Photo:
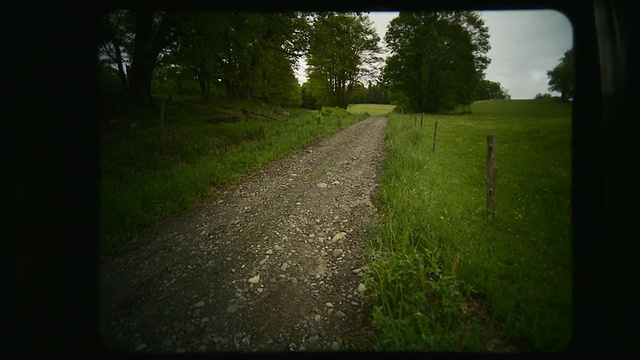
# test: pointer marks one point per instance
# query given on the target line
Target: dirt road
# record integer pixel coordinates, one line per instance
(274, 263)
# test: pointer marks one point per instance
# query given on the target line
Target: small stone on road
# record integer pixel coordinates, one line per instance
(339, 236)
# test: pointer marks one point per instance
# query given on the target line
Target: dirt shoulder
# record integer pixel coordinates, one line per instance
(274, 263)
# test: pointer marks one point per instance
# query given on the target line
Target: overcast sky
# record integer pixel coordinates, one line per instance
(525, 44)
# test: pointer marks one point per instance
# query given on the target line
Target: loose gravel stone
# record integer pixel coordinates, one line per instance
(339, 314)
(335, 346)
(202, 269)
(339, 236)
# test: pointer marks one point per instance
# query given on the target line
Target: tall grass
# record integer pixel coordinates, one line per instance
(149, 174)
(445, 275)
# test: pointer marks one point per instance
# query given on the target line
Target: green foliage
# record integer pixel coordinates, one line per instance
(417, 307)
(372, 94)
(309, 100)
(437, 59)
(545, 96)
(490, 90)
(562, 77)
(208, 50)
(240, 54)
(342, 50)
(115, 42)
(445, 276)
(542, 96)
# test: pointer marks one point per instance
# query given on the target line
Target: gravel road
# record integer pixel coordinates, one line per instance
(273, 263)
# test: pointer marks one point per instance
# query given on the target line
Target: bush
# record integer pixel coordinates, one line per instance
(333, 112)
(543, 96)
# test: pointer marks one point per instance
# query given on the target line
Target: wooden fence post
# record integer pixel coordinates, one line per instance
(492, 172)
(421, 119)
(435, 136)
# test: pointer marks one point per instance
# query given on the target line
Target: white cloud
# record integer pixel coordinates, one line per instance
(524, 46)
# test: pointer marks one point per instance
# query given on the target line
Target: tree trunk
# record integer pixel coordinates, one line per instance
(148, 44)
(143, 61)
(205, 87)
(140, 84)
(121, 73)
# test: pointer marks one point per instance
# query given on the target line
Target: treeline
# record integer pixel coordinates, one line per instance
(372, 94)
(239, 55)
(437, 60)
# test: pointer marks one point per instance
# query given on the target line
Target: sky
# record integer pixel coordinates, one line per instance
(525, 44)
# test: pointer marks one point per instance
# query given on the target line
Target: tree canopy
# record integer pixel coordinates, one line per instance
(562, 77)
(343, 50)
(490, 90)
(437, 59)
(242, 54)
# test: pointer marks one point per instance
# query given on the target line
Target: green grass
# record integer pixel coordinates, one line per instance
(371, 109)
(149, 174)
(445, 276)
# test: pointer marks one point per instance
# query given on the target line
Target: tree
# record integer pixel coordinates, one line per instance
(376, 94)
(258, 55)
(115, 38)
(540, 96)
(358, 94)
(197, 49)
(277, 49)
(309, 101)
(562, 77)
(343, 50)
(154, 31)
(437, 59)
(489, 90)
(247, 55)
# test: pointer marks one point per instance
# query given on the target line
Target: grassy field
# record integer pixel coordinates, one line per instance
(445, 276)
(149, 173)
(370, 109)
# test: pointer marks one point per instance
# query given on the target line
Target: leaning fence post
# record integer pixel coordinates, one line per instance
(435, 136)
(492, 172)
